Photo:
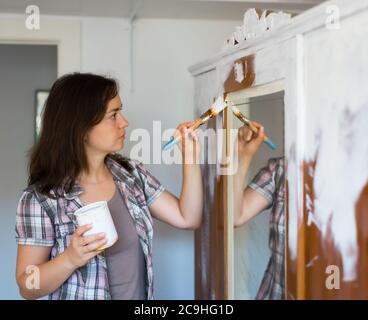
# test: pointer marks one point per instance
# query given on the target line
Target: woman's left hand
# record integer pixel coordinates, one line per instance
(249, 142)
(189, 144)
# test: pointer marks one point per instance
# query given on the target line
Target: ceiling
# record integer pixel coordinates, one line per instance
(171, 9)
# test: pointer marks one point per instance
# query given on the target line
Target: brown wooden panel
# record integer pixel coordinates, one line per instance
(321, 252)
(290, 265)
(210, 237)
(231, 85)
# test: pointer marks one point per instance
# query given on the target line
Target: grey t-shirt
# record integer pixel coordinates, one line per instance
(126, 267)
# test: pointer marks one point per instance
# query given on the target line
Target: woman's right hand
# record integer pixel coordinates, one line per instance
(189, 144)
(83, 248)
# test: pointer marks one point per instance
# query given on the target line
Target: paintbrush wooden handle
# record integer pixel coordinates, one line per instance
(255, 130)
(252, 127)
(176, 139)
(265, 139)
(196, 124)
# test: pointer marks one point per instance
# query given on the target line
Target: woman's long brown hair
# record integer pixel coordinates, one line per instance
(75, 104)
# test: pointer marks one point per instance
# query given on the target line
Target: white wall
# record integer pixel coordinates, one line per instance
(163, 50)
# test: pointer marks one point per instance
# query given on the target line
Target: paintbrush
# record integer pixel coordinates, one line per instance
(248, 123)
(215, 109)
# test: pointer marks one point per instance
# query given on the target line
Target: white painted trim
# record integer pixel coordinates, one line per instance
(230, 223)
(66, 34)
(308, 21)
(256, 91)
(300, 111)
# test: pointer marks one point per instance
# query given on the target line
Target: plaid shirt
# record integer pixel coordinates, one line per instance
(270, 183)
(43, 221)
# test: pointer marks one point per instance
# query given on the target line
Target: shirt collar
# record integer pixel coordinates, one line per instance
(119, 173)
(75, 191)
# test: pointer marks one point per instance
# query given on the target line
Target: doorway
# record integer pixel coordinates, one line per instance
(25, 70)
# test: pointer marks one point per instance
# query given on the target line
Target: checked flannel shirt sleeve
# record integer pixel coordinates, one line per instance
(33, 225)
(265, 182)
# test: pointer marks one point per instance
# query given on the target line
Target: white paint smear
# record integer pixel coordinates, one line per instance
(336, 136)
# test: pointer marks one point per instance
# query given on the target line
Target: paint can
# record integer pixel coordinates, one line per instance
(99, 215)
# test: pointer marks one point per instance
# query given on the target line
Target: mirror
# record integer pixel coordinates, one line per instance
(251, 251)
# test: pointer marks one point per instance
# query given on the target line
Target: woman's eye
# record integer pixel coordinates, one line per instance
(114, 116)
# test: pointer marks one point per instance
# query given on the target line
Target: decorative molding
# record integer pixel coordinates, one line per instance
(308, 21)
(255, 23)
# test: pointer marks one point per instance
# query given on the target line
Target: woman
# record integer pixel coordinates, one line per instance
(266, 190)
(75, 163)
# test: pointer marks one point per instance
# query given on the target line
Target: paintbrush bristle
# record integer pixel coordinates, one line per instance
(235, 109)
(219, 104)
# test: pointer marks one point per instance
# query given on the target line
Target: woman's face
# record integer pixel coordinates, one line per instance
(108, 135)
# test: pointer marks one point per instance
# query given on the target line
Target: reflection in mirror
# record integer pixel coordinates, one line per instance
(260, 221)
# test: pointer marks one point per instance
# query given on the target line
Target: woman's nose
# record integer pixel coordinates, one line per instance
(123, 122)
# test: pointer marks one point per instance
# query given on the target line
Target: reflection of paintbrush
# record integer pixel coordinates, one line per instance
(247, 122)
(215, 109)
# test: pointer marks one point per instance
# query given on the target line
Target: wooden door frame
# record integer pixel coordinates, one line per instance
(65, 33)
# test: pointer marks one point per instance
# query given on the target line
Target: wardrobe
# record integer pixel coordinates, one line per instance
(313, 67)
